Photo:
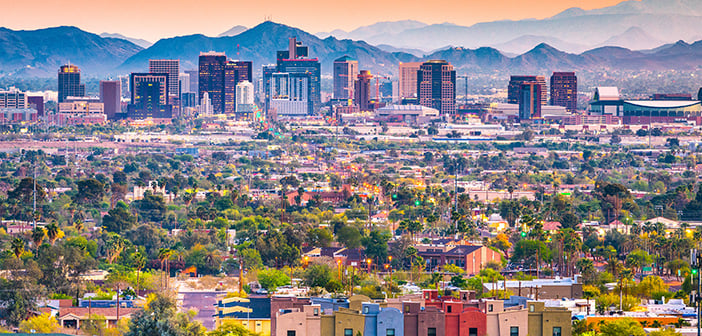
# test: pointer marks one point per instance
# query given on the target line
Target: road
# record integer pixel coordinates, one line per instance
(203, 302)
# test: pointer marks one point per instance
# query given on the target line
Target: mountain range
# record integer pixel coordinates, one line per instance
(39, 53)
(653, 21)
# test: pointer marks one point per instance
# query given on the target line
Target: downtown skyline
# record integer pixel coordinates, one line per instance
(134, 19)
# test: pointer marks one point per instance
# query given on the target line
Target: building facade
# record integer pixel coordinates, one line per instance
(13, 98)
(149, 96)
(564, 90)
(235, 72)
(289, 94)
(362, 90)
(211, 78)
(69, 83)
(110, 96)
(296, 62)
(530, 100)
(407, 85)
(436, 86)
(345, 68)
(515, 86)
(172, 69)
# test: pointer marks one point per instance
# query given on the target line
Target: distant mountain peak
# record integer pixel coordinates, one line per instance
(233, 31)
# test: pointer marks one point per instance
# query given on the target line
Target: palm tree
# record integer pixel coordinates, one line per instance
(139, 261)
(53, 232)
(79, 225)
(38, 235)
(17, 247)
(115, 245)
(163, 255)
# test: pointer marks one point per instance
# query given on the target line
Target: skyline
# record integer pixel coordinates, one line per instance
(135, 18)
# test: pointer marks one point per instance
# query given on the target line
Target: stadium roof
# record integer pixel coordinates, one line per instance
(663, 103)
(607, 93)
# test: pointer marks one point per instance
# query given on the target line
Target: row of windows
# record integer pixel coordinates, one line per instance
(663, 113)
(513, 331)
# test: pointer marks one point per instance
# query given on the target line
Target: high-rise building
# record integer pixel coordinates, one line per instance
(37, 103)
(515, 84)
(110, 93)
(564, 90)
(436, 86)
(172, 68)
(69, 83)
(194, 78)
(244, 100)
(235, 72)
(211, 78)
(289, 94)
(267, 72)
(13, 98)
(362, 90)
(184, 82)
(149, 97)
(407, 86)
(295, 61)
(345, 68)
(530, 100)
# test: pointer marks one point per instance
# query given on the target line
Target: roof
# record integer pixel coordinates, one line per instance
(607, 93)
(663, 103)
(107, 312)
(344, 58)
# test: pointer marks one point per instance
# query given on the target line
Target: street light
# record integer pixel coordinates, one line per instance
(369, 261)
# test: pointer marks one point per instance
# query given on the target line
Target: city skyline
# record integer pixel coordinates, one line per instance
(134, 19)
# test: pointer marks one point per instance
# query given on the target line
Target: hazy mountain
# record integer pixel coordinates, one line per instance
(140, 42)
(376, 29)
(633, 38)
(41, 52)
(525, 43)
(662, 20)
(259, 45)
(472, 59)
(546, 57)
(415, 52)
(233, 31)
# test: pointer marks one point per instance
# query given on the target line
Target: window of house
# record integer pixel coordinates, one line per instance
(406, 309)
(431, 332)
(513, 331)
(365, 310)
(291, 333)
(472, 331)
(315, 311)
(348, 332)
(390, 332)
(490, 308)
(531, 308)
(556, 331)
(448, 309)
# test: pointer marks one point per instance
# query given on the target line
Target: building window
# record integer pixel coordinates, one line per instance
(490, 308)
(390, 332)
(431, 332)
(472, 331)
(315, 311)
(291, 332)
(531, 308)
(348, 332)
(556, 331)
(448, 309)
(365, 310)
(513, 331)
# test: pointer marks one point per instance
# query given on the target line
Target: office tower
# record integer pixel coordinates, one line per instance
(235, 72)
(530, 96)
(244, 99)
(110, 93)
(124, 82)
(172, 68)
(295, 61)
(362, 90)
(37, 103)
(407, 86)
(13, 98)
(149, 97)
(205, 107)
(69, 83)
(345, 68)
(514, 88)
(267, 72)
(289, 94)
(564, 90)
(436, 86)
(184, 82)
(194, 78)
(211, 79)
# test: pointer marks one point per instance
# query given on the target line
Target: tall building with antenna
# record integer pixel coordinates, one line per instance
(69, 82)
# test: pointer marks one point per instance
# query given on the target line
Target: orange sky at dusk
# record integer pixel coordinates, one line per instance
(153, 19)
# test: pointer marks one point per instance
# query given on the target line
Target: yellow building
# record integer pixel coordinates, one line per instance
(252, 313)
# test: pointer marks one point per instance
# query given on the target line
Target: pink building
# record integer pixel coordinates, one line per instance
(298, 322)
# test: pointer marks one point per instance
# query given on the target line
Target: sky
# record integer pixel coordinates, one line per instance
(155, 19)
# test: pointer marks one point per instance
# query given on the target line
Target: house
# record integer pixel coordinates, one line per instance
(557, 288)
(471, 258)
(253, 313)
(548, 321)
(286, 304)
(429, 321)
(73, 317)
(382, 321)
(511, 321)
(305, 321)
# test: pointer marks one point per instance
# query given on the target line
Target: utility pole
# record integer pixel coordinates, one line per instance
(695, 297)
(34, 212)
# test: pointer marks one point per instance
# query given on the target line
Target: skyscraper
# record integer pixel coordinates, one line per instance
(110, 94)
(211, 79)
(149, 96)
(345, 69)
(69, 83)
(436, 86)
(407, 86)
(36, 102)
(515, 84)
(194, 77)
(170, 67)
(244, 100)
(235, 72)
(530, 96)
(564, 90)
(267, 72)
(289, 94)
(295, 61)
(362, 90)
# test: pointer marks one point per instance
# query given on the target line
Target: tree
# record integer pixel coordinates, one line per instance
(620, 327)
(319, 237)
(349, 236)
(231, 329)
(17, 247)
(90, 191)
(38, 235)
(615, 139)
(139, 262)
(376, 245)
(318, 275)
(151, 208)
(40, 324)
(272, 278)
(24, 192)
(159, 318)
(18, 299)
(118, 219)
(250, 258)
(53, 232)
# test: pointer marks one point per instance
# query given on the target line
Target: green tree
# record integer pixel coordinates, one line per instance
(349, 236)
(376, 246)
(40, 324)
(318, 275)
(272, 278)
(621, 327)
(231, 329)
(118, 219)
(90, 191)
